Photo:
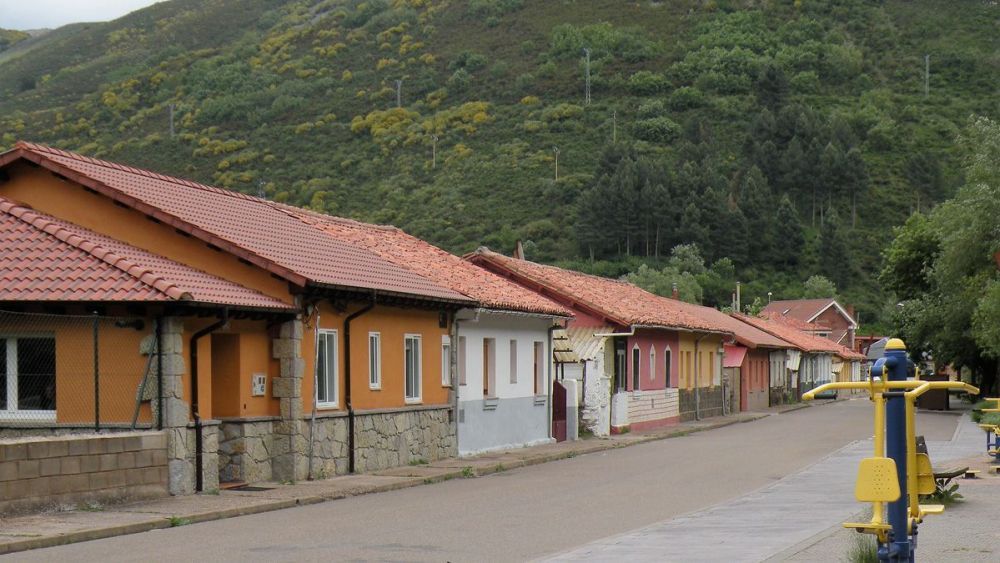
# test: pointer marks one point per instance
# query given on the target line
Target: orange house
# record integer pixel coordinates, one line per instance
(278, 348)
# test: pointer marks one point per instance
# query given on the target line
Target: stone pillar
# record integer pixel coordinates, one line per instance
(289, 462)
(176, 411)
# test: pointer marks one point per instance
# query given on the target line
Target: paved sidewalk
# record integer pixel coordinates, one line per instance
(792, 512)
(78, 524)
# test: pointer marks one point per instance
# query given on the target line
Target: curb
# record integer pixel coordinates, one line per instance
(160, 523)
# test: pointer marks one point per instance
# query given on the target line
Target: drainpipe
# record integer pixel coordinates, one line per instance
(312, 419)
(159, 372)
(551, 381)
(697, 377)
(193, 353)
(347, 380)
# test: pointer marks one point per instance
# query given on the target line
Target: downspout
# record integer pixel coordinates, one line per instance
(697, 377)
(312, 419)
(193, 353)
(347, 380)
(551, 381)
(159, 372)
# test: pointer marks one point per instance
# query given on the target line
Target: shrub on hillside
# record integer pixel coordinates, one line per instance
(656, 129)
(645, 83)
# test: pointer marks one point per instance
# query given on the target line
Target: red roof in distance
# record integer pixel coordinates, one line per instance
(617, 300)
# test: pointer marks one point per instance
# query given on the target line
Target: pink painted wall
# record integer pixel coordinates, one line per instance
(660, 339)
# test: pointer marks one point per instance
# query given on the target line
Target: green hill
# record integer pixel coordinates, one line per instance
(703, 114)
(11, 37)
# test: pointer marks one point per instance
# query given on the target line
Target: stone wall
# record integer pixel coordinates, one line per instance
(329, 449)
(246, 447)
(391, 439)
(40, 473)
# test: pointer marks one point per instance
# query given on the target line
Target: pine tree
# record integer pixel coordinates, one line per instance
(789, 241)
(757, 204)
(834, 254)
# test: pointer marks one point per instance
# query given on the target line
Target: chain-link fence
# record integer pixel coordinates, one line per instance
(65, 373)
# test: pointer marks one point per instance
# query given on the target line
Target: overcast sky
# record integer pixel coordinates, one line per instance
(35, 14)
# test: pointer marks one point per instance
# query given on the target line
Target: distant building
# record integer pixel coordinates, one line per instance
(829, 319)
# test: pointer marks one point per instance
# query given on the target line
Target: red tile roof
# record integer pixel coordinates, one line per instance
(616, 300)
(803, 341)
(46, 259)
(251, 228)
(426, 260)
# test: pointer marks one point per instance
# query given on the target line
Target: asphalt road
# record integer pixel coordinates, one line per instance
(519, 514)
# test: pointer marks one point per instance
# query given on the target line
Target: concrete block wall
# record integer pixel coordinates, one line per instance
(39, 473)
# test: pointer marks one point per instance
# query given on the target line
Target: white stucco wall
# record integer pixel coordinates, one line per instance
(514, 415)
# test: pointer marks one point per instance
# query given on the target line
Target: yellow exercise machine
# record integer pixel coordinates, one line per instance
(899, 478)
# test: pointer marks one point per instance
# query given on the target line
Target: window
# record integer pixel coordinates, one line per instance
(666, 364)
(28, 377)
(374, 360)
(489, 367)
(327, 368)
(461, 360)
(446, 361)
(635, 367)
(539, 368)
(412, 367)
(652, 363)
(513, 361)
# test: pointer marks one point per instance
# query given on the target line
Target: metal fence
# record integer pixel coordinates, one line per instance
(65, 373)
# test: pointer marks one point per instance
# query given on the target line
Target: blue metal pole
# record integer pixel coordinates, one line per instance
(895, 437)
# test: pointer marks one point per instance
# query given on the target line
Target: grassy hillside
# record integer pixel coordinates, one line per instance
(297, 100)
(11, 37)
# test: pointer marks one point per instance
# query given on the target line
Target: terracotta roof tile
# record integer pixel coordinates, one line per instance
(617, 300)
(802, 340)
(429, 261)
(46, 259)
(253, 226)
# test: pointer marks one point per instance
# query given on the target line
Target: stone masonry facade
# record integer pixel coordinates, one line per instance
(44, 473)
(289, 442)
(392, 439)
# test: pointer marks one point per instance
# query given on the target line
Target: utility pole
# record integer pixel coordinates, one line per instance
(927, 75)
(586, 91)
(614, 127)
(555, 150)
(434, 151)
(172, 106)
(261, 193)
(399, 93)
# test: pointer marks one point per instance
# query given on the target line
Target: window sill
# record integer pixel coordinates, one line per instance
(490, 403)
(375, 388)
(415, 401)
(28, 416)
(327, 407)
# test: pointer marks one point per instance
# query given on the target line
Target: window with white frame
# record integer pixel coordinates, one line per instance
(636, 355)
(446, 361)
(374, 360)
(539, 368)
(489, 367)
(412, 367)
(652, 363)
(666, 364)
(28, 377)
(327, 368)
(513, 361)
(461, 360)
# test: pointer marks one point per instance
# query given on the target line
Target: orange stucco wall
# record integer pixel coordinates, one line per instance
(69, 201)
(392, 323)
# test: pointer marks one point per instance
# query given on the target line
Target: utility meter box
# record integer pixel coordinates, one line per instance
(259, 384)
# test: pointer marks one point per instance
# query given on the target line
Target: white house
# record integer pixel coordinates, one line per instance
(504, 372)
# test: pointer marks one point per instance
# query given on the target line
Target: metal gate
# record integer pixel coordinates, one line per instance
(558, 411)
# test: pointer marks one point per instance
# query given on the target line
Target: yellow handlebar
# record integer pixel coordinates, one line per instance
(916, 387)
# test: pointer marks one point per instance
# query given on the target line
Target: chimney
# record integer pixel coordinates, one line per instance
(519, 250)
(674, 294)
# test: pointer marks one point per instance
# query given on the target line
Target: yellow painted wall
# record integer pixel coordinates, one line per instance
(392, 323)
(706, 359)
(66, 200)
